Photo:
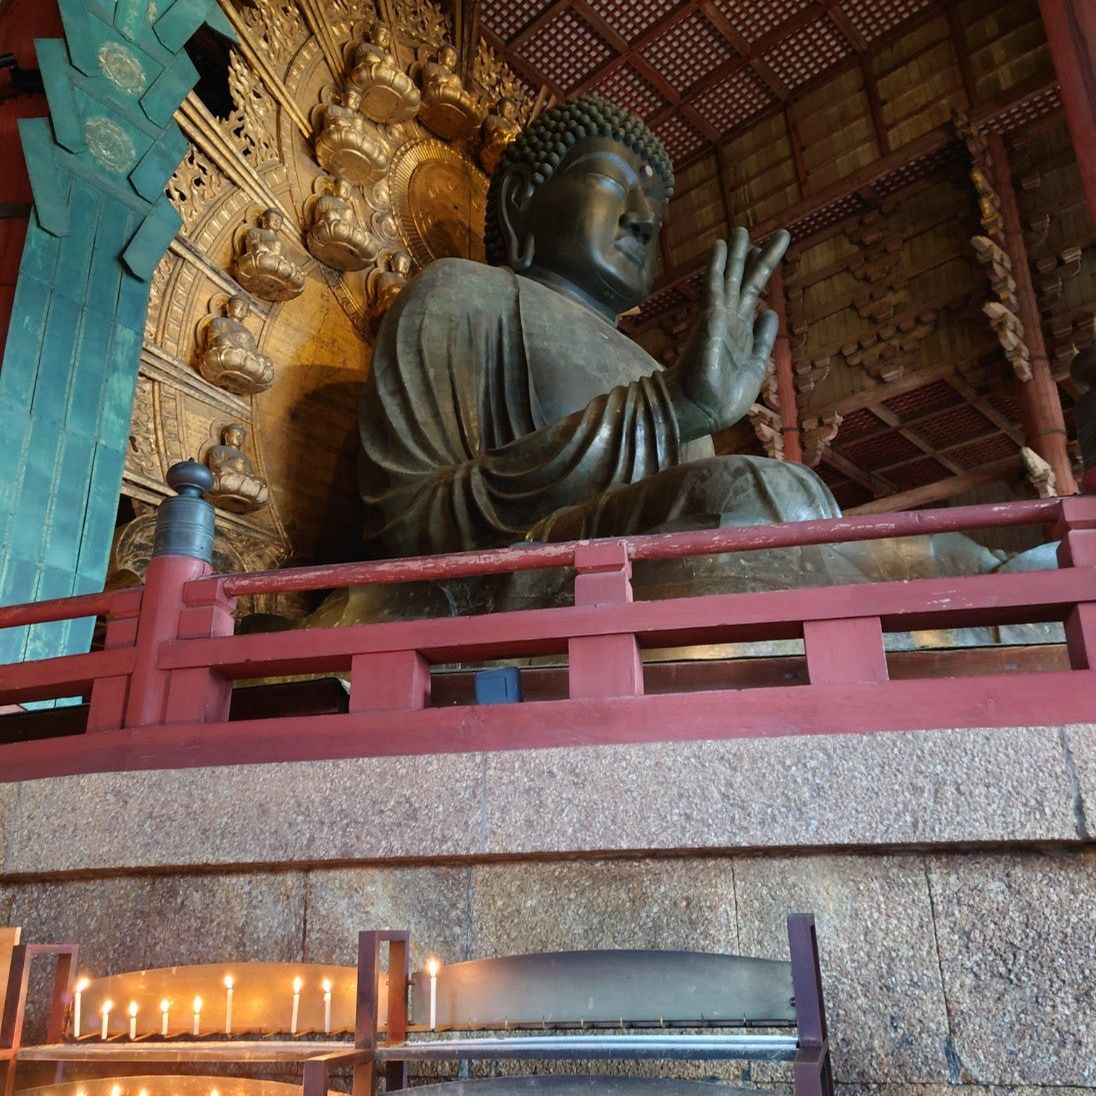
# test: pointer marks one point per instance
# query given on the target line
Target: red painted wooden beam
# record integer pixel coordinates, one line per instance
(1033, 699)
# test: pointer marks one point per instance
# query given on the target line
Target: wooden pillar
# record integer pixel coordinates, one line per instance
(1040, 404)
(1071, 36)
(785, 377)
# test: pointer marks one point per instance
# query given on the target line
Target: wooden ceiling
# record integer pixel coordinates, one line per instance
(697, 70)
(834, 118)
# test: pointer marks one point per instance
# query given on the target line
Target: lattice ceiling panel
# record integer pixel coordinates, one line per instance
(858, 424)
(752, 19)
(937, 396)
(879, 451)
(689, 51)
(506, 17)
(984, 452)
(872, 18)
(733, 101)
(917, 473)
(625, 87)
(567, 49)
(957, 424)
(630, 18)
(678, 137)
(808, 53)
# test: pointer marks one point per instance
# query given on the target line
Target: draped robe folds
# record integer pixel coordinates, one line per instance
(499, 410)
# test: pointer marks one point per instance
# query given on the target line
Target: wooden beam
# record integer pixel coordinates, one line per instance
(942, 489)
(869, 397)
(876, 484)
(896, 424)
(1040, 403)
(970, 394)
(785, 377)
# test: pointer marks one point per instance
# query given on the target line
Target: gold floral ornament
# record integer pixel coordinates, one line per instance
(499, 130)
(347, 144)
(389, 95)
(447, 108)
(236, 487)
(230, 356)
(335, 235)
(262, 267)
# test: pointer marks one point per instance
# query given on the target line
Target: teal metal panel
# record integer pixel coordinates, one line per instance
(104, 279)
(121, 379)
(219, 22)
(30, 314)
(175, 26)
(47, 183)
(151, 240)
(163, 98)
(54, 63)
(81, 37)
(60, 347)
(131, 17)
(161, 160)
(39, 259)
(86, 393)
(77, 248)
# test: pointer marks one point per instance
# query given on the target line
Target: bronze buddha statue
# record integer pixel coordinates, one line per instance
(389, 95)
(500, 128)
(347, 144)
(504, 405)
(448, 108)
(236, 486)
(262, 267)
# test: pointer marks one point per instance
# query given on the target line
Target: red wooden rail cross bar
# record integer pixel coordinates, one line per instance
(160, 689)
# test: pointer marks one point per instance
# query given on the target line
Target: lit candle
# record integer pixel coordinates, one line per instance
(297, 983)
(107, 1006)
(165, 1007)
(229, 983)
(327, 1006)
(80, 987)
(116, 1090)
(197, 1014)
(432, 969)
(133, 1019)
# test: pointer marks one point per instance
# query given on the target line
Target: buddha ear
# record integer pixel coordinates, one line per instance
(515, 194)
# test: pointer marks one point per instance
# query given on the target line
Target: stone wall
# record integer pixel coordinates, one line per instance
(952, 875)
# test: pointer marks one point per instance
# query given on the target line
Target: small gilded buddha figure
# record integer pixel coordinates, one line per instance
(387, 284)
(335, 236)
(348, 145)
(230, 357)
(263, 268)
(388, 94)
(499, 130)
(447, 108)
(236, 487)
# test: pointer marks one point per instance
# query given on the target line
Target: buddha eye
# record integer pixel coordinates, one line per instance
(601, 177)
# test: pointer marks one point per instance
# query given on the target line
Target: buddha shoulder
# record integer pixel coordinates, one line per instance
(460, 286)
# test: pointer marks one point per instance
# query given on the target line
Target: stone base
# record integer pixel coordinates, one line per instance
(952, 875)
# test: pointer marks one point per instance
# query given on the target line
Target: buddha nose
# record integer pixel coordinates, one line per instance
(640, 218)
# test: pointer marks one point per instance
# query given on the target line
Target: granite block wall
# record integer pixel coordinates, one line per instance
(952, 876)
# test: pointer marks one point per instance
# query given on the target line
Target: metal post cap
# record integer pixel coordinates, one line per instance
(185, 523)
(189, 478)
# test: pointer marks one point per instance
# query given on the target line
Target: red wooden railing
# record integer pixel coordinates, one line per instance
(159, 691)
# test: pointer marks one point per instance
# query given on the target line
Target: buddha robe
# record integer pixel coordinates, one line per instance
(498, 409)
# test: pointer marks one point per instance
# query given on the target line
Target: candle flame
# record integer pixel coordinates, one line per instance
(108, 1004)
(165, 1004)
(433, 966)
(82, 985)
(116, 1090)
(327, 985)
(229, 981)
(197, 1004)
(297, 983)
(133, 1008)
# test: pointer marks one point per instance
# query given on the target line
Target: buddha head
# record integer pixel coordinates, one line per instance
(507, 109)
(381, 35)
(341, 188)
(233, 435)
(577, 201)
(400, 263)
(237, 308)
(272, 219)
(352, 97)
(447, 57)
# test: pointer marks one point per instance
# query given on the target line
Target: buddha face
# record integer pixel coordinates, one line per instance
(381, 36)
(237, 308)
(447, 57)
(593, 225)
(233, 435)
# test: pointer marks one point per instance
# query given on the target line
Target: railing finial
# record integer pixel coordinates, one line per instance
(185, 523)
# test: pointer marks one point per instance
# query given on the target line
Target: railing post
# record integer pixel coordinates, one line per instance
(109, 695)
(845, 652)
(182, 552)
(606, 665)
(389, 681)
(1077, 529)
